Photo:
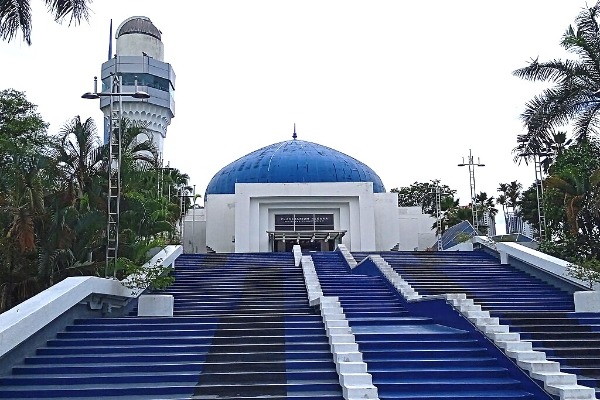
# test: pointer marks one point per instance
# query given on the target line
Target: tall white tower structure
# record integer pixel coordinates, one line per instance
(140, 56)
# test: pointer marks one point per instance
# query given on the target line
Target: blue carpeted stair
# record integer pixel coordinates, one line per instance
(411, 357)
(540, 312)
(242, 329)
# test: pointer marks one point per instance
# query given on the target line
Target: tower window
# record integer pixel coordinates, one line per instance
(128, 79)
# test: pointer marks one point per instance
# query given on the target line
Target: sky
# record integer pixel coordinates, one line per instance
(406, 87)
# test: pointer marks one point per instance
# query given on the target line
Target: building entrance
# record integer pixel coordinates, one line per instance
(312, 231)
(305, 245)
(308, 240)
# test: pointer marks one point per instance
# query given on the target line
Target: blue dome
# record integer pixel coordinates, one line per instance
(293, 161)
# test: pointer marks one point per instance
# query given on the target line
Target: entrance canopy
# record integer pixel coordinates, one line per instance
(313, 236)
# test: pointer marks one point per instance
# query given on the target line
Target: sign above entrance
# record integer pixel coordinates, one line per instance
(303, 222)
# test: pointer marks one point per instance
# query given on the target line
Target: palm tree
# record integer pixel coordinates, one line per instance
(501, 200)
(80, 155)
(575, 190)
(16, 15)
(513, 193)
(573, 98)
(489, 206)
(486, 210)
(509, 197)
(138, 150)
(547, 145)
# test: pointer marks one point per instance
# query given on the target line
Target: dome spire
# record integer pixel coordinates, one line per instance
(294, 136)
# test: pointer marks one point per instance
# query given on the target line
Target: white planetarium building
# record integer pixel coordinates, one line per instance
(300, 192)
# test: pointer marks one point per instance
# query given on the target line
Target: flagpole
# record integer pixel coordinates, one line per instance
(110, 56)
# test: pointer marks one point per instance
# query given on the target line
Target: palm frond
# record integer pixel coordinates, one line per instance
(553, 71)
(587, 23)
(15, 15)
(587, 123)
(546, 110)
(77, 9)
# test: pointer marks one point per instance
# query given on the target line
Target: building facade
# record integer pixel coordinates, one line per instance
(300, 192)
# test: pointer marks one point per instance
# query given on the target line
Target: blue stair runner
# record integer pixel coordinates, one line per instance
(541, 313)
(242, 329)
(411, 357)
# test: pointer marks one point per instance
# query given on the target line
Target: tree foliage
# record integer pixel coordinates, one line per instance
(53, 200)
(422, 194)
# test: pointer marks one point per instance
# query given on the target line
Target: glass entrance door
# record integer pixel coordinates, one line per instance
(305, 245)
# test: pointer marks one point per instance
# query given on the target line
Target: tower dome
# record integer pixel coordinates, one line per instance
(141, 25)
(293, 161)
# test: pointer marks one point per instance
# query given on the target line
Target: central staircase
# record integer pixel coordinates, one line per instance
(243, 329)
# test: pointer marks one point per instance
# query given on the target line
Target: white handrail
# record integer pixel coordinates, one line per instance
(537, 259)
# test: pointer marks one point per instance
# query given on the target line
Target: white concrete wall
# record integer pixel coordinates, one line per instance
(132, 44)
(387, 229)
(415, 229)
(194, 231)
(220, 222)
(427, 237)
(408, 224)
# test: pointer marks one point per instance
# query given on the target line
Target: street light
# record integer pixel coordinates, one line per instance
(114, 164)
(138, 94)
(184, 193)
(472, 166)
(194, 223)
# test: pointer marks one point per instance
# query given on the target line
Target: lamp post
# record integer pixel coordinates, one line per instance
(194, 223)
(114, 163)
(472, 166)
(185, 192)
(161, 183)
(438, 214)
